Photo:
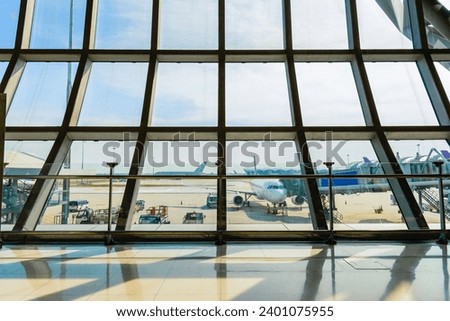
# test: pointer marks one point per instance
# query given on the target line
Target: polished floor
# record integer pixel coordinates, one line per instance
(353, 271)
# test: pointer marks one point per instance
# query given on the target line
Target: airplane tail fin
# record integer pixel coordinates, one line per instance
(366, 160)
(446, 154)
(200, 169)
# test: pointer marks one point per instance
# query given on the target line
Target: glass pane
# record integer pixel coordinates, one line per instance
(123, 24)
(90, 158)
(370, 210)
(262, 158)
(360, 203)
(23, 158)
(88, 204)
(41, 97)
(181, 158)
(400, 94)
(269, 203)
(436, 36)
(344, 154)
(58, 24)
(254, 24)
(416, 157)
(189, 24)
(383, 27)
(262, 204)
(319, 24)
(186, 95)
(327, 93)
(114, 95)
(176, 205)
(257, 94)
(9, 15)
(3, 66)
(443, 69)
(88, 198)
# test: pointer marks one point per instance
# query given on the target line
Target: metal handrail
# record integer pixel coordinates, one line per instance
(296, 176)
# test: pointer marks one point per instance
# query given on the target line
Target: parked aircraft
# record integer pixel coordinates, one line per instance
(420, 164)
(271, 190)
(198, 171)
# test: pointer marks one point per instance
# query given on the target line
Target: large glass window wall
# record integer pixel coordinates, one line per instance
(211, 107)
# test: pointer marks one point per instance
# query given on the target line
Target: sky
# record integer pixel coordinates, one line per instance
(186, 94)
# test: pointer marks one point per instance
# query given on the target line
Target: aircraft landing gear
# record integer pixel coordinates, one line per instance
(277, 209)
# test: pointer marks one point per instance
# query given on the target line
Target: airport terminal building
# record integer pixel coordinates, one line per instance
(224, 130)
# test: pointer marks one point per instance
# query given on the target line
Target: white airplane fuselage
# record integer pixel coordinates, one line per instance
(270, 190)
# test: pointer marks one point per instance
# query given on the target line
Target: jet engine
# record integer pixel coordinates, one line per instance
(238, 200)
(298, 200)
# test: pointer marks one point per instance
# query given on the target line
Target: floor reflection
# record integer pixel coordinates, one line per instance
(306, 272)
(403, 272)
(314, 271)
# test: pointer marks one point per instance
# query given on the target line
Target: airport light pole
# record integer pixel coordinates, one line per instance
(67, 161)
(330, 239)
(109, 240)
(442, 237)
(2, 156)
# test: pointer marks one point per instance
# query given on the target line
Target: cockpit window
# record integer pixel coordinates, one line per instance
(275, 187)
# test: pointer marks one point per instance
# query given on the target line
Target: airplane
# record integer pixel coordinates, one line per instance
(271, 190)
(420, 164)
(198, 171)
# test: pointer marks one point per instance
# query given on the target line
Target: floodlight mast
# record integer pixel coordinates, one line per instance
(2, 156)
(66, 181)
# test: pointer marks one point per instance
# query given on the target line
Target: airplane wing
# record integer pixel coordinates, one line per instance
(240, 200)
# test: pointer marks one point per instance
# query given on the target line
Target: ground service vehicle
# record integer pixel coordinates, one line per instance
(211, 200)
(78, 205)
(194, 218)
(89, 216)
(153, 219)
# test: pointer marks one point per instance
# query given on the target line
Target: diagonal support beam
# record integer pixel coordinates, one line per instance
(311, 188)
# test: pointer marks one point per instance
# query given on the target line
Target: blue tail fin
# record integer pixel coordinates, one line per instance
(200, 169)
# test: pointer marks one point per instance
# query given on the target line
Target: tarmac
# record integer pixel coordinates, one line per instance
(352, 211)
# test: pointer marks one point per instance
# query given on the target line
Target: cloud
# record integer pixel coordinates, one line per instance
(254, 24)
(124, 24)
(115, 94)
(186, 94)
(399, 93)
(257, 94)
(189, 24)
(327, 93)
(319, 24)
(41, 95)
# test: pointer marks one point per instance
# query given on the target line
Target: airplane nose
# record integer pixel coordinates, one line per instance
(281, 196)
